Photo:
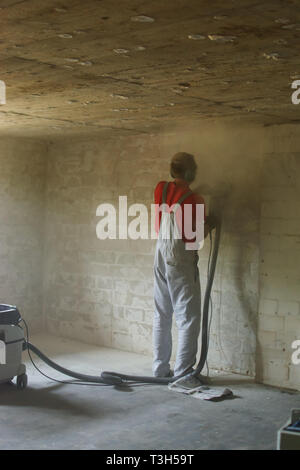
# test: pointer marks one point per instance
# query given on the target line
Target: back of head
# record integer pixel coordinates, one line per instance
(183, 166)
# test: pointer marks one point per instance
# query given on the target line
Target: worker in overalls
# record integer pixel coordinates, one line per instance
(176, 275)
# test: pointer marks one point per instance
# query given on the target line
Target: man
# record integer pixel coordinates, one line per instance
(176, 276)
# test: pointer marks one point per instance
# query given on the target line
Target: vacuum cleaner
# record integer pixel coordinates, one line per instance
(13, 342)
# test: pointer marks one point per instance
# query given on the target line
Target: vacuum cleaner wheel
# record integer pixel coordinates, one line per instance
(22, 381)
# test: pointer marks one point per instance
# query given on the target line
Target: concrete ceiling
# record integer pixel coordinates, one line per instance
(84, 66)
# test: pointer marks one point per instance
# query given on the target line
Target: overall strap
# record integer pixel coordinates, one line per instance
(180, 200)
(164, 194)
(184, 197)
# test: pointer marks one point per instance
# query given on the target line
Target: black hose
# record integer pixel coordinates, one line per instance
(205, 317)
(107, 375)
(113, 380)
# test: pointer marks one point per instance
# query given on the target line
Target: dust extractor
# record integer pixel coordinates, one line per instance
(11, 346)
(13, 342)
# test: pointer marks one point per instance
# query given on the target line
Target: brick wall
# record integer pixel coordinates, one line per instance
(279, 307)
(97, 291)
(22, 183)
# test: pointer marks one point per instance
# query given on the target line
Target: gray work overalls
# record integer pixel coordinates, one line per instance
(176, 290)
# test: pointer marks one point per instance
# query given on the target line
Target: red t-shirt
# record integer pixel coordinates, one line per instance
(174, 193)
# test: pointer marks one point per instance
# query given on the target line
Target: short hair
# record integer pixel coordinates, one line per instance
(182, 163)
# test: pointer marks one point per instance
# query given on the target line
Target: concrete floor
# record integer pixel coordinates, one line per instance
(53, 416)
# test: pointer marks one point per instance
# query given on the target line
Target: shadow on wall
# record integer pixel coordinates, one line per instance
(229, 165)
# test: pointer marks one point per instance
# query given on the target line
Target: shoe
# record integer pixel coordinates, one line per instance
(189, 382)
